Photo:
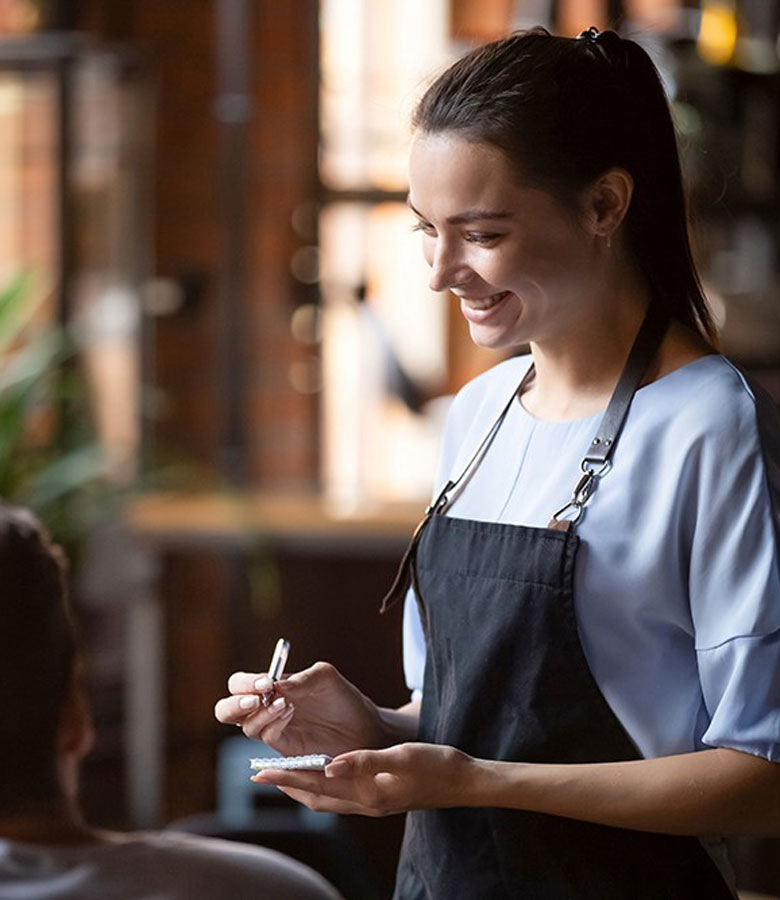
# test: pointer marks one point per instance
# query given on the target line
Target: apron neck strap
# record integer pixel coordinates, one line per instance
(596, 460)
(644, 348)
(599, 453)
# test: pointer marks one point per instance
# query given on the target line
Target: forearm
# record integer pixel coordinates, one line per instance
(399, 725)
(709, 792)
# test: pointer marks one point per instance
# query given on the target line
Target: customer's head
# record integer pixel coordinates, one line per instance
(39, 725)
(565, 111)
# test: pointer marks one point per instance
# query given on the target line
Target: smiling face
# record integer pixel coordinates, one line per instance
(523, 265)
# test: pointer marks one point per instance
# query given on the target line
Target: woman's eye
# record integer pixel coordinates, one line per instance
(480, 237)
(425, 227)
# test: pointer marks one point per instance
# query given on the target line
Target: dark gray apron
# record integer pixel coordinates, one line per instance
(506, 678)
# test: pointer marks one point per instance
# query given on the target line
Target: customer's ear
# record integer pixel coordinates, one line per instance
(76, 734)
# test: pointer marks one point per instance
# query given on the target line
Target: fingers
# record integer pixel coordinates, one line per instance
(248, 690)
(312, 789)
(250, 683)
(260, 682)
(367, 762)
(231, 710)
(316, 675)
(256, 720)
(295, 778)
(320, 803)
(271, 733)
(322, 794)
(249, 693)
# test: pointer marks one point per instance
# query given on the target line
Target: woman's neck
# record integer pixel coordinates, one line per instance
(46, 822)
(577, 369)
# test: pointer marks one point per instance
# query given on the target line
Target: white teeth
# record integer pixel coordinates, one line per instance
(484, 302)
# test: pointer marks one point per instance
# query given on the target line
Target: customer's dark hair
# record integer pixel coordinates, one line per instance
(37, 649)
(566, 110)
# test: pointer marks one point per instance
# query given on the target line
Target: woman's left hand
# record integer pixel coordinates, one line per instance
(380, 782)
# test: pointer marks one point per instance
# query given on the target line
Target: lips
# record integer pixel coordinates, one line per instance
(481, 310)
(483, 303)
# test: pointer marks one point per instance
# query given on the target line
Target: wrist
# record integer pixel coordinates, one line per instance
(397, 726)
(500, 784)
(483, 783)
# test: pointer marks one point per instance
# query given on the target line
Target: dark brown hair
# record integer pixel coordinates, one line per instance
(37, 649)
(566, 110)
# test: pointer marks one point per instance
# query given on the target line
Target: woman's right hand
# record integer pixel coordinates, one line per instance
(313, 711)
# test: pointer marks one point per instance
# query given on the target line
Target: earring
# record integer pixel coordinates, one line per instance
(609, 242)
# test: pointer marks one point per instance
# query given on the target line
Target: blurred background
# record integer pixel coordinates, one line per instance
(223, 376)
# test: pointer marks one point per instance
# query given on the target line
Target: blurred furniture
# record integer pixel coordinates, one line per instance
(318, 565)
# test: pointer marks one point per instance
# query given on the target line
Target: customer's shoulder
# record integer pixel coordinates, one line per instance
(217, 868)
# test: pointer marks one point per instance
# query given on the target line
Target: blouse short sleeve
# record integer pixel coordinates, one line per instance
(734, 581)
(414, 647)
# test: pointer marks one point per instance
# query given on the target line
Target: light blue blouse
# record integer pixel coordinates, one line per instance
(676, 583)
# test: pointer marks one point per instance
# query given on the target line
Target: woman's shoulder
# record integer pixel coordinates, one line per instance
(709, 394)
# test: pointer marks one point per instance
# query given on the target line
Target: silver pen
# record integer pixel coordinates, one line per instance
(276, 668)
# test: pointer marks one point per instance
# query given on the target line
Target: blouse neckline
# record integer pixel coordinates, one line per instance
(644, 391)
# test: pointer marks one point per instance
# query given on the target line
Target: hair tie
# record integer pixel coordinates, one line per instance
(606, 44)
(590, 34)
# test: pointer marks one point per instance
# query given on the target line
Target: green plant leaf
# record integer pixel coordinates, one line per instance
(17, 308)
(36, 360)
(65, 475)
(15, 411)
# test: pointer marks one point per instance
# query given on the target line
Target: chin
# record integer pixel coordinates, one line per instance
(495, 341)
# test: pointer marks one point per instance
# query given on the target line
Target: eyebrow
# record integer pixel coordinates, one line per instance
(470, 215)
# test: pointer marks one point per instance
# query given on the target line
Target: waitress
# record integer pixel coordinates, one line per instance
(592, 622)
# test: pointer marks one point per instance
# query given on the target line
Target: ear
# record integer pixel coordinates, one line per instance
(76, 734)
(607, 201)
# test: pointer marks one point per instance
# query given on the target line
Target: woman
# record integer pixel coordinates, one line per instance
(595, 600)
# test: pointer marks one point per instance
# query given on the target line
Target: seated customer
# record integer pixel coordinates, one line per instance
(46, 848)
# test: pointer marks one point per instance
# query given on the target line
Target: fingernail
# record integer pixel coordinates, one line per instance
(278, 704)
(288, 712)
(264, 684)
(336, 769)
(249, 702)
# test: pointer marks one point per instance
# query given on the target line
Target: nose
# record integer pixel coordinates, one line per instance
(447, 270)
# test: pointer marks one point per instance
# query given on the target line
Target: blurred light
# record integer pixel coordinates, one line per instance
(757, 54)
(305, 265)
(306, 324)
(306, 376)
(717, 38)
(305, 218)
(162, 297)
(11, 98)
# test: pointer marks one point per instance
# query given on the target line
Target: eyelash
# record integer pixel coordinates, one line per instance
(471, 236)
(480, 237)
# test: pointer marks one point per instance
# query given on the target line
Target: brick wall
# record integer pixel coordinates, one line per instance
(181, 38)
